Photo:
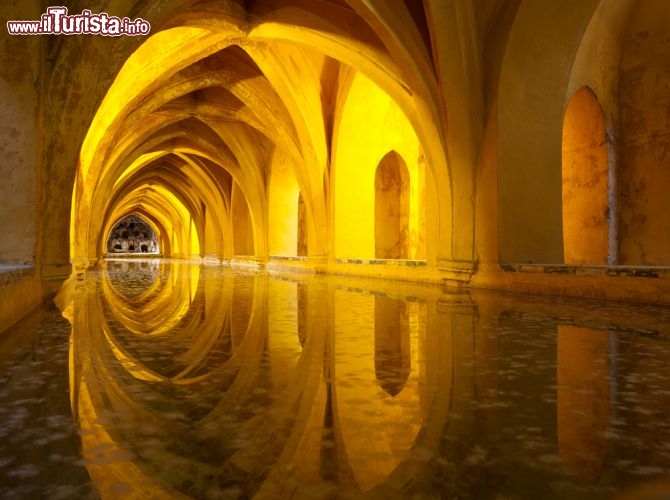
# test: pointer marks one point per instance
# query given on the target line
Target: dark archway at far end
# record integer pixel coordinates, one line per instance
(133, 235)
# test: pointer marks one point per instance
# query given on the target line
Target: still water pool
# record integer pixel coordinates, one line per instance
(171, 380)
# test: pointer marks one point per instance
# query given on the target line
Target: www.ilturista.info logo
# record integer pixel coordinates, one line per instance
(56, 22)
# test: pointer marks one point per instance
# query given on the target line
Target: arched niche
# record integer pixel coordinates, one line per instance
(391, 208)
(585, 173)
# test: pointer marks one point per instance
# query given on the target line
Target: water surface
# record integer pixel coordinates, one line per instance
(174, 380)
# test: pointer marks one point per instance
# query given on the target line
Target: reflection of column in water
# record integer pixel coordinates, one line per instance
(433, 360)
(392, 352)
(242, 305)
(487, 373)
(312, 443)
(583, 399)
(302, 313)
(283, 350)
(456, 322)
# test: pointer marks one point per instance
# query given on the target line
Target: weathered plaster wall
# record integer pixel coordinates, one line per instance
(596, 66)
(20, 292)
(597, 60)
(21, 82)
(302, 246)
(644, 175)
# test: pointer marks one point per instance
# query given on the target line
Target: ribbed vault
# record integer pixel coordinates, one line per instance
(227, 102)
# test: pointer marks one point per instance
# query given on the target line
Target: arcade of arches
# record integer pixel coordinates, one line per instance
(506, 144)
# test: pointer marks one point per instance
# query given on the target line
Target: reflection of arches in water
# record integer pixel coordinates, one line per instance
(378, 389)
(392, 344)
(145, 307)
(180, 331)
(132, 278)
(224, 415)
(157, 392)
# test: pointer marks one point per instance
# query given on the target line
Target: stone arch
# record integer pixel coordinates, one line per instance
(356, 158)
(359, 48)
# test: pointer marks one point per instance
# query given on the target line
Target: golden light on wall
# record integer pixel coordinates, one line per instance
(585, 181)
(373, 133)
(283, 207)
